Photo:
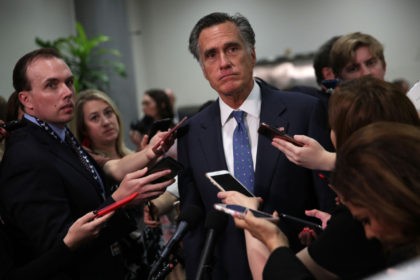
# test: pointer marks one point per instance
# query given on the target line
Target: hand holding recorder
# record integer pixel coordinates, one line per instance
(168, 140)
(272, 132)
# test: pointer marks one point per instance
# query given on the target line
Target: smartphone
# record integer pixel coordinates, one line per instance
(163, 164)
(233, 209)
(271, 132)
(168, 139)
(227, 182)
(302, 221)
(160, 125)
(114, 206)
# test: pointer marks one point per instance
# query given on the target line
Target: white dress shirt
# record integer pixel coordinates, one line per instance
(252, 107)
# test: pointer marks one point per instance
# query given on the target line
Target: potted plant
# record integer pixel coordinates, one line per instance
(88, 61)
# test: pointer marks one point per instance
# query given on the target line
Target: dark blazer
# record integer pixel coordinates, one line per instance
(43, 190)
(283, 264)
(283, 186)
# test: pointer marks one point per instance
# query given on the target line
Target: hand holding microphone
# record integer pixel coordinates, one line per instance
(189, 218)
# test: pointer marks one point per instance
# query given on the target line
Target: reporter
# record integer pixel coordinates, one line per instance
(342, 249)
(352, 56)
(377, 178)
(47, 179)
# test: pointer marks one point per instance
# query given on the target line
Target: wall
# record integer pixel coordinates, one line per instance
(23, 20)
(159, 31)
(300, 25)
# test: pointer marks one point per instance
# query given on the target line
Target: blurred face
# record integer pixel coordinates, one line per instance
(150, 107)
(51, 97)
(375, 227)
(101, 123)
(225, 60)
(364, 64)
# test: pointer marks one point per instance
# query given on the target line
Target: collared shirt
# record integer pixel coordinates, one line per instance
(252, 107)
(60, 131)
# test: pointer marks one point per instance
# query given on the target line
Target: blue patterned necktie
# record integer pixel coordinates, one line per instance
(242, 156)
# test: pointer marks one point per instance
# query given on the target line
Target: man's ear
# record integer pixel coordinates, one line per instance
(26, 99)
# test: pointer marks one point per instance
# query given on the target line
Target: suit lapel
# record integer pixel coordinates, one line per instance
(267, 155)
(210, 138)
(61, 152)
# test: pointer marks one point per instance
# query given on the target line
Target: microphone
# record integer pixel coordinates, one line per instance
(189, 218)
(215, 223)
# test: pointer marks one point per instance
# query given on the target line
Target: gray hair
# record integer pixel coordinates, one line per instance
(245, 30)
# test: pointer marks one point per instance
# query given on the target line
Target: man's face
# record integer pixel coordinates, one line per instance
(51, 97)
(364, 64)
(226, 62)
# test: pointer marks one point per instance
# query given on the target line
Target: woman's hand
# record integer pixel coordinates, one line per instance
(265, 231)
(138, 182)
(312, 155)
(148, 214)
(323, 216)
(234, 197)
(84, 229)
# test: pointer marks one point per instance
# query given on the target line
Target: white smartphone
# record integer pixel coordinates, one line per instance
(233, 209)
(225, 181)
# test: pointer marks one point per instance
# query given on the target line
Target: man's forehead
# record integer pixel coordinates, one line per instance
(48, 67)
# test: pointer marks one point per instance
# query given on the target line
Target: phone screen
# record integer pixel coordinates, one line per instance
(229, 183)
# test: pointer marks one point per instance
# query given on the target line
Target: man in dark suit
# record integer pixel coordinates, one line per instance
(45, 184)
(224, 47)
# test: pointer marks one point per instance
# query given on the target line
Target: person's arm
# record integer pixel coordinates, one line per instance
(118, 168)
(318, 271)
(312, 155)
(282, 262)
(257, 252)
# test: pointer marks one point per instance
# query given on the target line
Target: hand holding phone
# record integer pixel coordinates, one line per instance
(159, 125)
(164, 164)
(168, 140)
(271, 132)
(225, 181)
(238, 210)
(114, 206)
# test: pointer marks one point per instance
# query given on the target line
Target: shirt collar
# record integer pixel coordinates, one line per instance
(251, 105)
(61, 132)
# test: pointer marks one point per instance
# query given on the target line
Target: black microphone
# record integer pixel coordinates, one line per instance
(189, 218)
(215, 223)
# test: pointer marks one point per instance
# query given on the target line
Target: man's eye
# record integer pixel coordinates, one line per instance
(70, 83)
(232, 49)
(211, 55)
(51, 85)
(352, 69)
(371, 62)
